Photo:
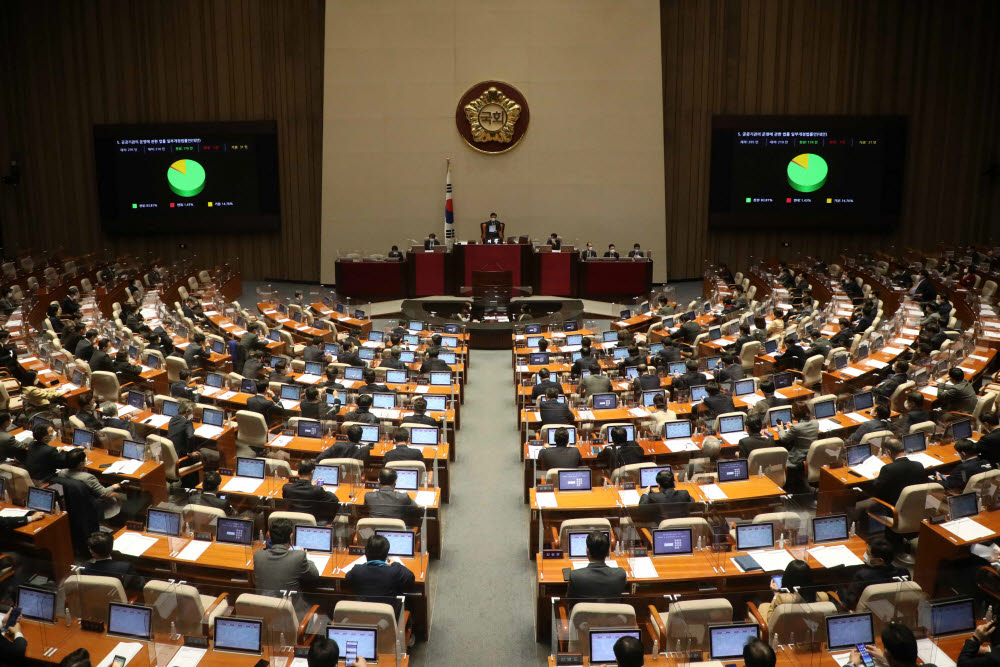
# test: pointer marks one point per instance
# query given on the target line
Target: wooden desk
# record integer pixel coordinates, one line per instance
(49, 534)
(639, 322)
(299, 330)
(362, 326)
(151, 476)
(937, 544)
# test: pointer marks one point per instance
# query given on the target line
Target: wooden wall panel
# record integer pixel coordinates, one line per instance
(70, 65)
(936, 62)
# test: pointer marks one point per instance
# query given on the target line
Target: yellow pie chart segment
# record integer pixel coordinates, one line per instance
(807, 172)
(186, 178)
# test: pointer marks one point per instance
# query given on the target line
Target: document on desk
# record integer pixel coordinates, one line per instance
(546, 499)
(967, 529)
(869, 468)
(308, 378)
(186, 656)
(422, 389)
(931, 654)
(208, 431)
(875, 363)
(25, 360)
(126, 410)
(360, 560)
(889, 349)
(643, 568)
(622, 323)
(926, 460)
(226, 395)
(772, 561)
(242, 484)
(713, 492)
(970, 371)
(851, 371)
(156, 421)
(751, 399)
(681, 445)
(128, 650)
(841, 658)
(523, 369)
(910, 332)
(856, 417)
(585, 414)
(978, 357)
(14, 512)
(629, 497)
(425, 498)
(319, 560)
(580, 564)
(734, 438)
(194, 550)
(639, 412)
(288, 403)
(534, 451)
(210, 391)
(24, 436)
(571, 348)
(281, 441)
(826, 425)
(834, 556)
(131, 543)
(930, 390)
(124, 467)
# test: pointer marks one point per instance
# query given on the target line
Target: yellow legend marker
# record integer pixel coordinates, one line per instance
(210, 203)
(828, 201)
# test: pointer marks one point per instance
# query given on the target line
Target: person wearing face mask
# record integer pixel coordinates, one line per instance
(878, 569)
(588, 252)
(492, 230)
(43, 460)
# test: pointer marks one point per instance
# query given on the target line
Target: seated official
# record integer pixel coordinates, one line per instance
(125, 369)
(315, 351)
(13, 645)
(688, 330)
(913, 412)
(797, 579)
(84, 349)
(969, 464)
(351, 449)
(193, 310)
(10, 448)
(431, 241)
(307, 497)
(324, 652)
(758, 653)
(636, 252)
(794, 356)
(208, 496)
(611, 253)
(711, 449)
(280, 568)
(253, 367)
(597, 582)
(394, 253)
(402, 451)
(52, 314)
(432, 363)
(196, 354)
(958, 394)
(76, 468)
(628, 652)
(583, 363)
(665, 493)
(818, 345)
(634, 358)
(281, 374)
(492, 230)
(393, 360)
(554, 241)
(420, 416)
(620, 451)
(43, 460)
(561, 455)
(181, 388)
(716, 403)
(387, 501)
(647, 379)
(331, 379)
(110, 419)
(881, 412)
(35, 393)
(370, 386)
(896, 475)
(266, 403)
(348, 356)
(551, 411)
(974, 653)
(731, 368)
(436, 343)
(545, 381)
(661, 413)
(692, 377)
(362, 413)
(101, 564)
(663, 306)
(314, 407)
(588, 252)
(886, 387)
(899, 648)
(754, 440)
(377, 579)
(88, 412)
(769, 401)
(595, 383)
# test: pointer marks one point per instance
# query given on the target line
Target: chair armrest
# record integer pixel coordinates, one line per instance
(647, 535)
(563, 629)
(835, 598)
(555, 536)
(754, 615)
(219, 600)
(881, 519)
(657, 622)
(305, 621)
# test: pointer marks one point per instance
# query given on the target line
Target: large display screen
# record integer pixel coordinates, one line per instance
(193, 177)
(794, 171)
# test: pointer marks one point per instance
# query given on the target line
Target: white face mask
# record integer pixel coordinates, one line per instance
(867, 559)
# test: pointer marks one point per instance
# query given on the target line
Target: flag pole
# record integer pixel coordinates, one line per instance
(449, 211)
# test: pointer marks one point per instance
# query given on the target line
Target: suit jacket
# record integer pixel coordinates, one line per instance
(886, 387)
(317, 409)
(379, 580)
(426, 420)
(717, 405)
(924, 290)
(428, 243)
(434, 365)
(960, 396)
(819, 346)
(10, 448)
(101, 361)
(588, 253)
(84, 350)
(969, 656)
(396, 364)
(797, 438)
(403, 453)
(344, 450)
(539, 389)
(648, 381)
(961, 473)
(554, 412)
(209, 499)
(361, 415)
(180, 431)
(795, 356)
(559, 457)
(69, 306)
(280, 568)
(842, 338)
(313, 353)
(612, 254)
(687, 332)
(689, 379)
(180, 389)
(768, 402)
(306, 497)
(915, 417)
(351, 359)
(595, 384)
(867, 575)
(90, 420)
(252, 369)
(731, 372)
(266, 407)
(896, 476)
(121, 570)
(752, 442)
(12, 652)
(195, 356)
(868, 427)
(597, 581)
(374, 387)
(387, 502)
(621, 455)
(635, 253)
(43, 460)
(667, 497)
(988, 446)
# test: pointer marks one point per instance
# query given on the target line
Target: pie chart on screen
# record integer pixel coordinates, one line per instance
(807, 172)
(186, 178)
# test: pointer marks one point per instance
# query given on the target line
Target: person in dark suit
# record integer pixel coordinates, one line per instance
(636, 252)
(351, 449)
(433, 363)
(71, 302)
(180, 389)
(307, 497)
(878, 569)
(597, 581)
(543, 384)
(248, 342)
(110, 419)
(100, 360)
(431, 241)
(394, 253)
(554, 241)
(793, 356)
(865, 320)
(52, 314)
(646, 379)
(665, 493)
(88, 412)
(754, 440)
(818, 345)
(611, 252)
(969, 464)
(348, 356)
(583, 363)
(387, 501)
(13, 645)
(914, 412)
(313, 407)
(265, 402)
(377, 578)
(279, 567)
(844, 336)
(731, 369)
(125, 369)
(362, 413)
(886, 387)
(420, 415)
(280, 374)
(180, 429)
(957, 394)
(196, 354)
(393, 361)
(972, 654)
(253, 368)
(43, 460)
(716, 403)
(588, 252)
(634, 358)
(370, 386)
(896, 475)
(492, 230)
(100, 546)
(315, 351)
(7, 304)
(331, 382)
(552, 411)
(620, 451)
(402, 451)
(561, 455)
(924, 291)
(85, 347)
(208, 496)
(688, 330)
(193, 310)
(881, 413)
(744, 338)
(769, 401)
(10, 448)
(989, 442)
(693, 377)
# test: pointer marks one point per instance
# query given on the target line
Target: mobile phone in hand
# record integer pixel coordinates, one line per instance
(865, 656)
(12, 617)
(351, 653)
(119, 661)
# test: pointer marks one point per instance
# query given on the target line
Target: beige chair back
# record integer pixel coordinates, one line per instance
(367, 526)
(689, 620)
(821, 453)
(182, 606)
(584, 525)
(748, 352)
(812, 371)
(630, 472)
(88, 596)
(772, 461)
(911, 508)
(278, 614)
(105, 386)
(983, 483)
(251, 429)
(18, 481)
(924, 427)
(201, 518)
(419, 466)
(897, 601)
(174, 366)
(587, 616)
(382, 616)
(805, 620)
(297, 518)
(350, 469)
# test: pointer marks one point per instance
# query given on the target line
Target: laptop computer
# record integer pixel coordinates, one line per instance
(961, 429)
(236, 634)
(247, 386)
(248, 467)
(857, 454)
(369, 433)
(631, 372)
(424, 435)
(782, 380)
(363, 638)
(133, 450)
(951, 617)
(41, 500)
(735, 470)
(605, 401)
(212, 417)
(83, 438)
(326, 475)
(407, 479)
(313, 368)
(575, 479)
(647, 476)
(37, 604)
(234, 531)
(441, 378)
(354, 373)
(402, 543)
(533, 328)
(170, 408)
(731, 428)
(727, 641)
(676, 368)
(845, 631)
(783, 414)
(570, 325)
(214, 380)
(133, 621)
(754, 536)
(824, 409)
(770, 346)
(715, 333)
(602, 644)
(136, 399)
(744, 387)
(713, 363)
(609, 336)
(829, 528)
(366, 353)
(619, 353)
(650, 395)
(698, 393)
(395, 376)
(383, 401)
(671, 541)
(314, 538)
(376, 336)
(436, 403)
(308, 428)
(863, 400)
(163, 522)
(963, 505)
(915, 442)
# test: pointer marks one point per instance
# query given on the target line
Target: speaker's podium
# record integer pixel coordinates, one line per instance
(513, 256)
(491, 291)
(429, 270)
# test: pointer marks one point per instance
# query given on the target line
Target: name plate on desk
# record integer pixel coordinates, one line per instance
(371, 485)
(356, 551)
(628, 486)
(196, 642)
(544, 488)
(135, 525)
(553, 554)
(205, 537)
(92, 626)
(226, 471)
(569, 658)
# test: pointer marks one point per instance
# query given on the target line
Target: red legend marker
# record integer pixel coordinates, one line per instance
(171, 204)
(788, 201)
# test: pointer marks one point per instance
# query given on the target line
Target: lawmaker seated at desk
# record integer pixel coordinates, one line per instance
(588, 252)
(597, 582)
(688, 330)
(665, 493)
(208, 495)
(881, 414)
(958, 394)
(266, 403)
(43, 460)
(544, 382)
(711, 449)
(595, 383)
(636, 252)
(362, 413)
(387, 501)
(110, 419)
(13, 645)
(561, 455)
(433, 363)
(715, 403)
(420, 416)
(314, 407)
(431, 241)
(492, 230)
(878, 569)
(899, 649)
(611, 253)
(661, 413)
(280, 568)
(181, 389)
(370, 386)
(552, 411)
(35, 393)
(402, 450)
(394, 254)
(309, 498)
(797, 587)
(324, 652)
(969, 464)
(554, 241)
(620, 451)
(377, 578)
(101, 564)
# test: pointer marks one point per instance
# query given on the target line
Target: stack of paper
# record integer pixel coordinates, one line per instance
(826, 425)
(128, 650)
(585, 414)
(123, 467)
(875, 363)
(187, 656)
(209, 391)
(751, 399)
(156, 421)
(931, 654)
(580, 564)
(681, 445)
(194, 550)
(13, 512)
(713, 492)
(288, 403)
(133, 544)
(968, 530)
(308, 378)
(546, 499)
(772, 561)
(841, 658)
(242, 484)
(23, 437)
(639, 412)
(925, 460)
(930, 390)
(892, 350)
(281, 441)
(643, 568)
(126, 410)
(425, 498)
(857, 417)
(319, 560)
(851, 371)
(208, 431)
(533, 451)
(869, 467)
(629, 497)
(734, 438)
(835, 556)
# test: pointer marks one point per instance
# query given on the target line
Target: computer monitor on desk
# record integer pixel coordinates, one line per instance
(845, 631)
(551, 437)
(41, 500)
(363, 637)
(824, 409)
(829, 528)
(863, 400)
(671, 541)
(754, 536)
(650, 395)
(130, 620)
(241, 635)
(576, 479)
(950, 617)
(395, 377)
(428, 436)
(578, 542)
(234, 531)
(727, 641)
(314, 538)
(37, 604)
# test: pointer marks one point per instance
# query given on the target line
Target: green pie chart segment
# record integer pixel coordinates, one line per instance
(807, 172)
(186, 178)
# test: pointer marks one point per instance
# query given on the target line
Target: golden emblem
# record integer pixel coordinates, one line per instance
(492, 116)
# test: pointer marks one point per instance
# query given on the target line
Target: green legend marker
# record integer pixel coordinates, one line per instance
(186, 178)
(807, 172)
(748, 200)
(135, 206)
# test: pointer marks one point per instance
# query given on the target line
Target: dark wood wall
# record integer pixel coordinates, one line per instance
(68, 65)
(937, 62)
